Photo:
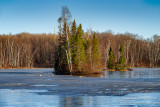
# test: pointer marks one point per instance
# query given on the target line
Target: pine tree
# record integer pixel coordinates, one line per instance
(61, 65)
(87, 44)
(111, 62)
(73, 44)
(121, 64)
(73, 40)
(73, 29)
(95, 54)
(80, 31)
(80, 56)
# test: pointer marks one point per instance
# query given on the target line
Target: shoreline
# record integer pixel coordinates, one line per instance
(112, 70)
(26, 68)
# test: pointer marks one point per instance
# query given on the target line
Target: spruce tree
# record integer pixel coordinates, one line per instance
(73, 29)
(73, 40)
(60, 57)
(73, 44)
(80, 56)
(95, 55)
(121, 64)
(111, 62)
(87, 45)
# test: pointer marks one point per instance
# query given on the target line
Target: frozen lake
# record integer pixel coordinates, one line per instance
(137, 73)
(41, 88)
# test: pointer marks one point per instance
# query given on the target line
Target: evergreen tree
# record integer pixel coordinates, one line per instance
(73, 40)
(80, 56)
(60, 57)
(95, 54)
(87, 45)
(111, 62)
(73, 44)
(80, 31)
(73, 29)
(121, 64)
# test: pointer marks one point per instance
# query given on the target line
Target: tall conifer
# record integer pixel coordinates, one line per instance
(95, 54)
(80, 56)
(111, 62)
(121, 64)
(73, 40)
(73, 29)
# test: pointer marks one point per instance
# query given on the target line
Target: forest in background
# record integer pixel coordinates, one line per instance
(38, 50)
(27, 50)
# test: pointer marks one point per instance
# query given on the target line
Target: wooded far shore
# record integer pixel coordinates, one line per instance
(37, 50)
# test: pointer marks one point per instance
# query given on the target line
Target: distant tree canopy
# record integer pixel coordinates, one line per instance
(39, 50)
(27, 50)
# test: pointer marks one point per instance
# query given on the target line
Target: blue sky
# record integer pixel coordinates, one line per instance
(40, 16)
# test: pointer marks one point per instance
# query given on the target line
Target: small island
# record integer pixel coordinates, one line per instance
(120, 65)
(77, 54)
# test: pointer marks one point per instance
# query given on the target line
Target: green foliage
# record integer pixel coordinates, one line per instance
(111, 62)
(73, 29)
(95, 55)
(80, 56)
(73, 45)
(121, 64)
(60, 57)
(95, 49)
(87, 44)
(80, 31)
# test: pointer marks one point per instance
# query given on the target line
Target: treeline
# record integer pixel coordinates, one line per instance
(27, 50)
(38, 50)
(138, 52)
